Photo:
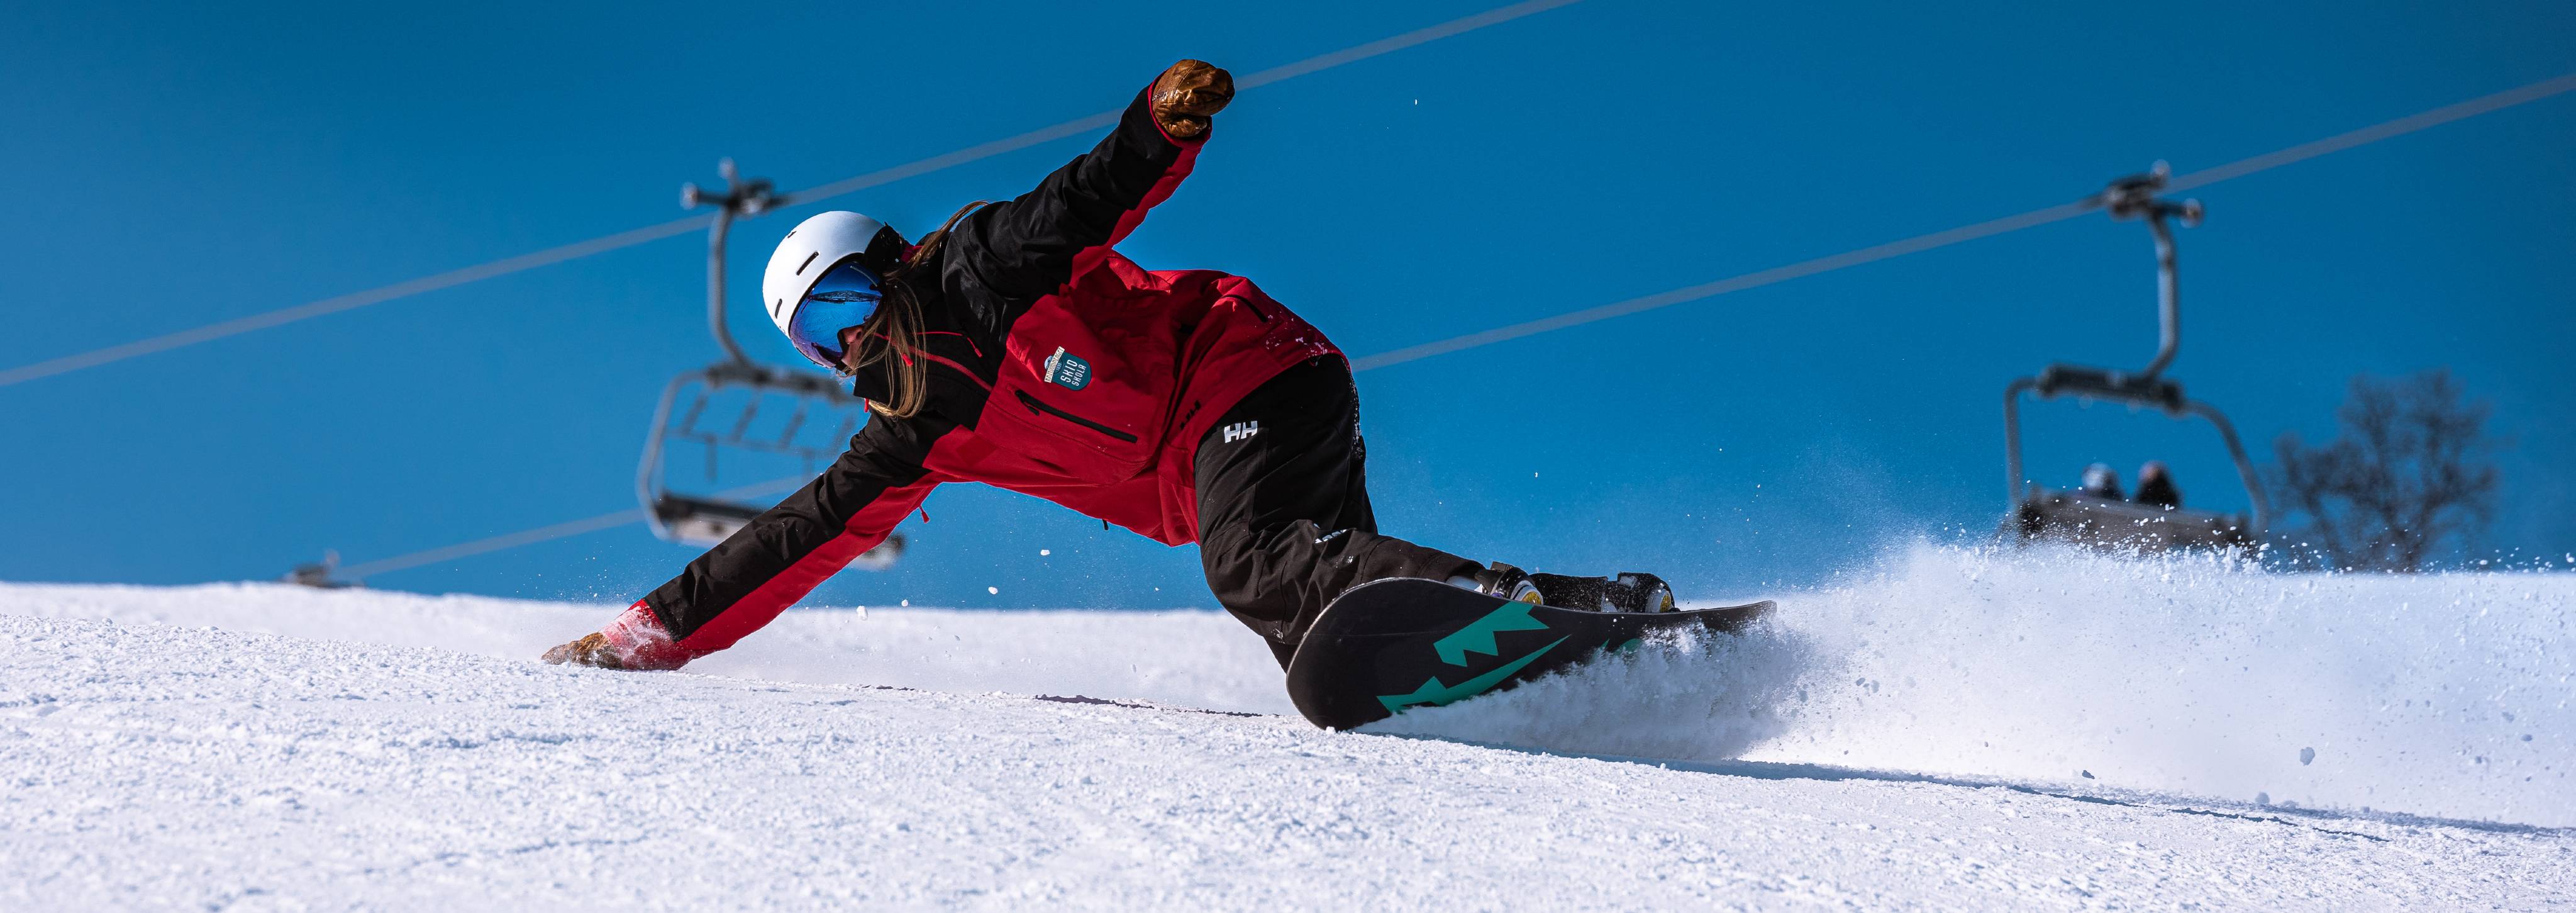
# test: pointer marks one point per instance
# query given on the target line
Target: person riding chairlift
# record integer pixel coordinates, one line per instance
(2101, 481)
(1014, 346)
(2156, 487)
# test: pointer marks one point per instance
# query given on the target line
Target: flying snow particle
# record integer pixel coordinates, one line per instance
(2307, 756)
(2087, 774)
(1045, 552)
(2262, 798)
(993, 590)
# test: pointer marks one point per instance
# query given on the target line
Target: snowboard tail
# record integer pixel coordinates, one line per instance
(1389, 645)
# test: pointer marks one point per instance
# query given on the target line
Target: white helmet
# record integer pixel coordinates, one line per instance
(856, 252)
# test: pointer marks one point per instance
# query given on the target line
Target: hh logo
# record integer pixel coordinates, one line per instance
(1241, 430)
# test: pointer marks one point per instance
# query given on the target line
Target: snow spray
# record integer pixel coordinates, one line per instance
(2441, 695)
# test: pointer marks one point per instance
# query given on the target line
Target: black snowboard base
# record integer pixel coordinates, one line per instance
(1388, 645)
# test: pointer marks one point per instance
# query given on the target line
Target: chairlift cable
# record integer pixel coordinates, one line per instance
(1939, 239)
(542, 533)
(2043, 216)
(181, 339)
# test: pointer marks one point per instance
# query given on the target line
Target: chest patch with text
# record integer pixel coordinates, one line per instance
(1066, 370)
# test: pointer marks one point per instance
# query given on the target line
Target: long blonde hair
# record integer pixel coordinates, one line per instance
(893, 336)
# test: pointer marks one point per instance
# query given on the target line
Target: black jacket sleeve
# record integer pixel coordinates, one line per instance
(1030, 246)
(744, 582)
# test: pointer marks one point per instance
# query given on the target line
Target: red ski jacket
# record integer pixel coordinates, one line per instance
(1059, 369)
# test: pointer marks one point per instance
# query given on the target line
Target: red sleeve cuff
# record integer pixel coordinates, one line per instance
(1147, 108)
(642, 643)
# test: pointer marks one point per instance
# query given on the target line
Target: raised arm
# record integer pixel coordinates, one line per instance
(743, 583)
(1030, 246)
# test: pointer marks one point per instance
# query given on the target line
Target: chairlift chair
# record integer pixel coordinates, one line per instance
(2041, 513)
(742, 407)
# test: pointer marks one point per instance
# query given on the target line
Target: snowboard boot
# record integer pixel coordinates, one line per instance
(1628, 592)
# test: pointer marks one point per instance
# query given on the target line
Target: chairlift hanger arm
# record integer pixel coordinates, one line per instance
(739, 198)
(2013, 482)
(2135, 197)
(2262, 506)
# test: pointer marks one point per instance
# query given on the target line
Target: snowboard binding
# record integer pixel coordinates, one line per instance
(1628, 592)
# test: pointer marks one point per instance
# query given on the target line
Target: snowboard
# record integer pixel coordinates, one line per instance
(1389, 645)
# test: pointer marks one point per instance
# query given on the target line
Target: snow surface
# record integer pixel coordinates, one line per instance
(1955, 729)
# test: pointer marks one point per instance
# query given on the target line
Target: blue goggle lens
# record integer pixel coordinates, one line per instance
(844, 297)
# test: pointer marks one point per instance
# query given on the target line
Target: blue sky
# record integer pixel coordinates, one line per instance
(175, 165)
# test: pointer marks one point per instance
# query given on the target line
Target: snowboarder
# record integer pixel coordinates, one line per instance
(1013, 346)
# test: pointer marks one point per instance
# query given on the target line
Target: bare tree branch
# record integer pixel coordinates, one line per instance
(2408, 472)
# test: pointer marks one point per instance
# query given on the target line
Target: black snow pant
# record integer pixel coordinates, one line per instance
(1284, 518)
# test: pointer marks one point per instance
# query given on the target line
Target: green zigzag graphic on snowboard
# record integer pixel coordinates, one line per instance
(1434, 693)
(1478, 635)
(1388, 645)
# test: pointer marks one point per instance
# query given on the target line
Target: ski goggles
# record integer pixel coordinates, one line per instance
(844, 297)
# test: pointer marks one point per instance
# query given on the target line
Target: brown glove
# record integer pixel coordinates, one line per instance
(589, 650)
(635, 640)
(1186, 95)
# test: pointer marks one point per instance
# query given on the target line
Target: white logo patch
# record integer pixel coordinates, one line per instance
(1241, 430)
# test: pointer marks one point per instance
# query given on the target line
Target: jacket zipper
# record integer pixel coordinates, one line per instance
(1037, 406)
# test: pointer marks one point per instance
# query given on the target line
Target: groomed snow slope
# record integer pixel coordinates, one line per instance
(1908, 744)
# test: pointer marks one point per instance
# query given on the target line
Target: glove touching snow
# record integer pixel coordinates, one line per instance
(588, 650)
(634, 641)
